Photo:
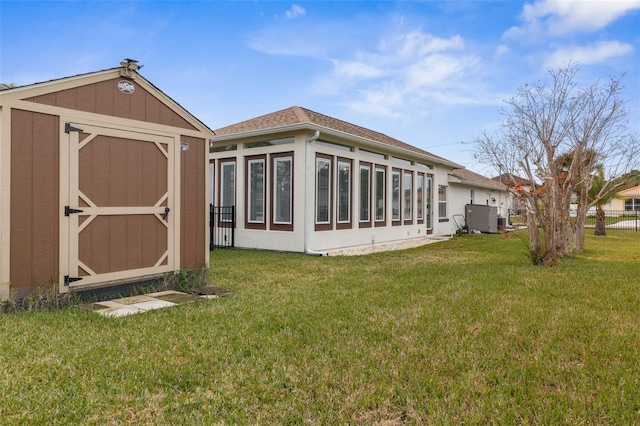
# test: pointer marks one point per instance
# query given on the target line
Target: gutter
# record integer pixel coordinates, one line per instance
(308, 200)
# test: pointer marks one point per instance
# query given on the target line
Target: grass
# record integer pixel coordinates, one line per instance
(464, 331)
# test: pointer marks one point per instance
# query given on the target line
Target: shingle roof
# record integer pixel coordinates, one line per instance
(472, 177)
(298, 115)
(630, 192)
(509, 179)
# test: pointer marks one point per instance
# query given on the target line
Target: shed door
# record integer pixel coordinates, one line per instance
(121, 216)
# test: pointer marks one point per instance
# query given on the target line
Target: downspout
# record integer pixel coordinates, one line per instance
(308, 199)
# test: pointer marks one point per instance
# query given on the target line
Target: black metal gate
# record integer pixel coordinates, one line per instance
(222, 226)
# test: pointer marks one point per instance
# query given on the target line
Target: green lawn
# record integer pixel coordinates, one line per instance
(464, 331)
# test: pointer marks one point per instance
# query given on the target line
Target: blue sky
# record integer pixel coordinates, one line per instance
(432, 74)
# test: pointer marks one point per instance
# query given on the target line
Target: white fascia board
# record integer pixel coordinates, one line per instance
(453, 179)
(261, 132)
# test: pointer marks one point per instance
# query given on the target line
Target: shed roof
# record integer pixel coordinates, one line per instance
(296, 117)
(25, 90)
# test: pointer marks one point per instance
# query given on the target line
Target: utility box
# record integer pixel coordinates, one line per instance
(481, 218)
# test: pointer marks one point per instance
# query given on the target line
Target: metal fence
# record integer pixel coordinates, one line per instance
(222, 226)
(625, 220)
(616, 219)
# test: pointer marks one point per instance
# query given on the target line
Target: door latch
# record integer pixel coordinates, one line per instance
(166, 213)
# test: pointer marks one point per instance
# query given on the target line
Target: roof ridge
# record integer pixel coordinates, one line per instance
(301, 114)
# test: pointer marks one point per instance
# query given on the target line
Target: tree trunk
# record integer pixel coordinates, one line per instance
(578, 226)
(600, 222)
(578, 235)
(535, 243)
(550, 256)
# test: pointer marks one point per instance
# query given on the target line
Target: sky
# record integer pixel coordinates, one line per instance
(433, 74)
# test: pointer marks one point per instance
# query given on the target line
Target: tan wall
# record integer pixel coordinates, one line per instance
(105, 98)
(193, 203)
(31, 148)
(35, 208)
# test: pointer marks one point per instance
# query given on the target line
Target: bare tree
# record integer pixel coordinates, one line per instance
(555, 134)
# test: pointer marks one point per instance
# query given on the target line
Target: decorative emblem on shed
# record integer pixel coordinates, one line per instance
(126, 87)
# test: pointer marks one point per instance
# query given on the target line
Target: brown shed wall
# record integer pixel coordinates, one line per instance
(35, 203)
(105, 98)
(192, 203)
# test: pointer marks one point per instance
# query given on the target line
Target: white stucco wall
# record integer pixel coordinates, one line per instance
(322, 240)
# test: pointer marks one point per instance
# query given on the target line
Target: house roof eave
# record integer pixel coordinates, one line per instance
(340, 134)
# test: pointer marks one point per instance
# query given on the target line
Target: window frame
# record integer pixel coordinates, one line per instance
(396, 220)
(407, 191)
(248, 222)
(281, 226)
(223, 164)
(382, 221)
(429, 202)
(342, 223)
(365, 223)
(442, 201)
(324, 225)
(420, 198)
(632, 204)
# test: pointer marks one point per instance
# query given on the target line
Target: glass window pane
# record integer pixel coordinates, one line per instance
(227, 197)
(323, 190)
(365, 193)
(420, 197)
(395, 195)
(282, 191)
(442, 201)
(428, 197)
(256, 191)
(380, 187)
(344, 191)
(408, 195)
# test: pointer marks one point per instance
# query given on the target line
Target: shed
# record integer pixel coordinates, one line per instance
(103, 182)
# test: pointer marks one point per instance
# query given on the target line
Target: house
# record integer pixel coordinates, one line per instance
(517, 185)
(103, 181)
(484, 203)
(305, 182)
(627, 200)
(468, 187)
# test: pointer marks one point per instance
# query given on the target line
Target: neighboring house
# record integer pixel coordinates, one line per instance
(516, 183)
(103, 181)
(305, 182)
(627, 200)
(468, 187)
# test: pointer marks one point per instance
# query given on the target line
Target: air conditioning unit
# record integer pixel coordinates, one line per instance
(481, 218)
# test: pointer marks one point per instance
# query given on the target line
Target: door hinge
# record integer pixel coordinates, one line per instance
(68, 280)
(68, 210)
(68, 128)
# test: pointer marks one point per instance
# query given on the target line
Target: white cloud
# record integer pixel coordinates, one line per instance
(556, 18)
(501, 50)
(595, 53)
(295, 11)
(402, 73)
(390, 75)
(355, 69)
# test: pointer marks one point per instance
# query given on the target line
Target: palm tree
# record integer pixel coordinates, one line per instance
(596, 186)
(627, 180)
